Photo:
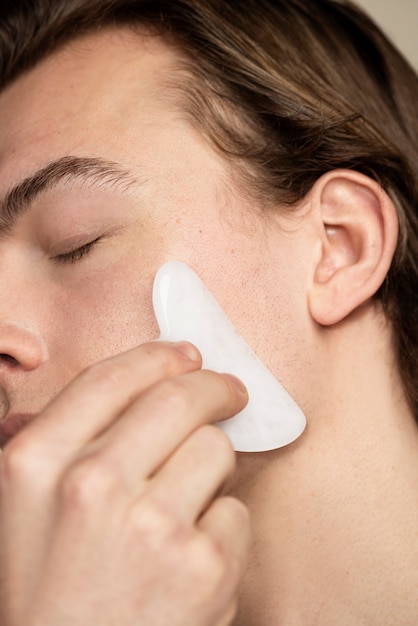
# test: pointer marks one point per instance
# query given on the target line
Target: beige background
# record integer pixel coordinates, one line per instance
(399, 19)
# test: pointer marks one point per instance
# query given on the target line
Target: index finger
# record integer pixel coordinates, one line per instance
(96, 398)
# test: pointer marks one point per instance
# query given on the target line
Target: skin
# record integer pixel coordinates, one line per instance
(333, 515)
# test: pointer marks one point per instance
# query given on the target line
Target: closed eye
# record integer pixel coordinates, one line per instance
(75, 255)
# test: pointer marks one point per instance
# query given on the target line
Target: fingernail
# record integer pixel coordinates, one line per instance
(238, 384)
(188, 350)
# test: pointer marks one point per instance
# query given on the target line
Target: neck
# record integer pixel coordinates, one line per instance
(335, 514)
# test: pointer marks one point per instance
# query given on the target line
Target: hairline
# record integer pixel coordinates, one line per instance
(185, 96)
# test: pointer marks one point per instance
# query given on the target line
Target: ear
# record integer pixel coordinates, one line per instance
(357, 236)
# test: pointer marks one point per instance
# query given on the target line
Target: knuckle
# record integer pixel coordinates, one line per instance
(230, 613)
(172, 395)
(157, 524)
(206, 573)
(239, 522)
(167, 359)
(19, 461)
(221, 576)
(207, 564)
(239, 512)
(107, 374)
(240, 532)
(89, 480)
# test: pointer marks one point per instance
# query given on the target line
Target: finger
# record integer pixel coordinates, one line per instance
(229, 614)
(34, 460)
(227, 518)
(193, 475)
(97, 397)
(227, 523)
(160, 420)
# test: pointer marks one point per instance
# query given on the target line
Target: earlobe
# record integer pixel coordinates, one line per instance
(358, 233)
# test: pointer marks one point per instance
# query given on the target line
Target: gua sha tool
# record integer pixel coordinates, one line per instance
(187, 311)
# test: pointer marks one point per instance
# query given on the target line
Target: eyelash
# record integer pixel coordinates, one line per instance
(75, 255)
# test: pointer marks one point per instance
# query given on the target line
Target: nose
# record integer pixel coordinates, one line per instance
(20, 347)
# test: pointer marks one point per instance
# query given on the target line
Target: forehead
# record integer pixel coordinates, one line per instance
(88, 95)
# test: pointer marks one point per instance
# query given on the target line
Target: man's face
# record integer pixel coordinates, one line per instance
(123, 168)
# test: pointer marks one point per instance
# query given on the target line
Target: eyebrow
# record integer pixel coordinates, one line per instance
(94, 171)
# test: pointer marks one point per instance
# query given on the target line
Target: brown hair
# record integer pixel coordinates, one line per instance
(287, 89)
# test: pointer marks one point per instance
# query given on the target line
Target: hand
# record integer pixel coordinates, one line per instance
(109, 513)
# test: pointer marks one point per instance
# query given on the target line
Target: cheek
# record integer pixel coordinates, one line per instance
(102, 316)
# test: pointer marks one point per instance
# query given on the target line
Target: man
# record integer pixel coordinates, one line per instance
(273, 148)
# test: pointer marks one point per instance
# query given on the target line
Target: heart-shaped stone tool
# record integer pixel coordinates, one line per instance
(186, 310)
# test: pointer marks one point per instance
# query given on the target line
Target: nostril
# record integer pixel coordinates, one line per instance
(10, 360)
(20, 347)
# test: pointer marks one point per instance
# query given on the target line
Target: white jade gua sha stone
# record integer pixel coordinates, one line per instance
(186, 310)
